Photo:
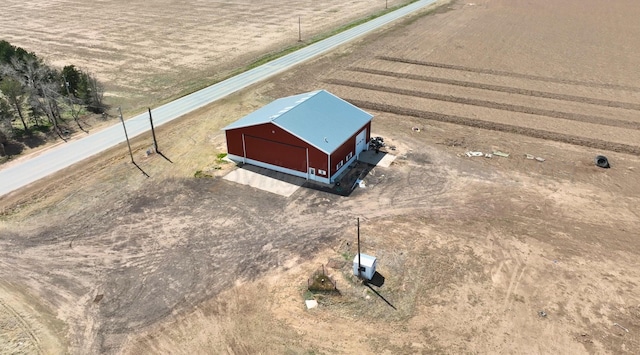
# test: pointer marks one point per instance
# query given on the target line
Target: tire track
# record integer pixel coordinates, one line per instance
(492, 104)
(24, 325)
(500, 127)
(513, 286)
(500, 88)
(510, 74)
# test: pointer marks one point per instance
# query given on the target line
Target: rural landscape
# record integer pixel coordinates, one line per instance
(526, 247)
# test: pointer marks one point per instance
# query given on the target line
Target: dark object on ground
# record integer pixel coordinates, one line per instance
(602, 161)
(376, 143)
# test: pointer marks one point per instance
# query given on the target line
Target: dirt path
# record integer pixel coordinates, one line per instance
(27, 327)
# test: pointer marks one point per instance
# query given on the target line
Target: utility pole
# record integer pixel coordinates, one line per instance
(126, 135)
(299, 29)
(359, 266)
(153, 133)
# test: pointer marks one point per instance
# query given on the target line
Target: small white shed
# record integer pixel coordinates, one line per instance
(368, 264)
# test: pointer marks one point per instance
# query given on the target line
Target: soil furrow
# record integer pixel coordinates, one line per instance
(501, 127)
(510, 74)
(506, 89)
(492, 104)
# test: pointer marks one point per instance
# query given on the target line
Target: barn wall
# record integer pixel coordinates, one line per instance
(318, 161)
(347, 147)
(276, 153)
(234, 142)
(266, 131)
(273, 145)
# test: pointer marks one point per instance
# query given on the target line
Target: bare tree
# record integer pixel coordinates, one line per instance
(96, 90)
(46, 99)
(6, 127)
(42, 90)
(72, 104)
(32, 90)
(14, 92)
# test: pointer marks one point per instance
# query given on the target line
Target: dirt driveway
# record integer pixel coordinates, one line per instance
(478, 255)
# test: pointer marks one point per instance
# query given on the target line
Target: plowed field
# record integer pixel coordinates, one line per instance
(149, 51)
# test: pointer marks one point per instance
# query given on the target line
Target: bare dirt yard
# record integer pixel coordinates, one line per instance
(476, 255)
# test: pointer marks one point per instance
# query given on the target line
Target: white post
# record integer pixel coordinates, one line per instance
(244, 151)
(329, 167)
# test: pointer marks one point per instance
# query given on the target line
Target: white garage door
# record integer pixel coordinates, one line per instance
(361, 141)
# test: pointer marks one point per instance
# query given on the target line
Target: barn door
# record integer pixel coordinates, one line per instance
(361, 141)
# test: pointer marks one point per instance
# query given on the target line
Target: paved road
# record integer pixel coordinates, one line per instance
(57, 158)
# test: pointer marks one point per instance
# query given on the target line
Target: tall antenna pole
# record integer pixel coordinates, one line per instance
(359, 266)
(125, 134)
(153, 132)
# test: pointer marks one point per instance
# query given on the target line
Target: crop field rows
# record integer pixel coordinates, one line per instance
(575, 112)
(144, 50)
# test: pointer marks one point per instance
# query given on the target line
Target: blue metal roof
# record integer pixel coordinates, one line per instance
(319, 118)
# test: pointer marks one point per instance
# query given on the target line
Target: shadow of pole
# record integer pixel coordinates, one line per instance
(139, 168)
(379, 295)
(162, 155)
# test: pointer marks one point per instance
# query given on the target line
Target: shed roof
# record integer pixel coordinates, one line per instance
(365, 260)
(319, 118)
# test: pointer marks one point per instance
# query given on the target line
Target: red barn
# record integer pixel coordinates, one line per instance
(315, 135)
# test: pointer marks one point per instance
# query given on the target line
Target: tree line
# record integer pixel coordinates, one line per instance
(35, 96)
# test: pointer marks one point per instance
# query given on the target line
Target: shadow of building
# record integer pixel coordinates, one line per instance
(377, 280)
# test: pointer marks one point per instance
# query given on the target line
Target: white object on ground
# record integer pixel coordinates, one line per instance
(311, 303)
(474, 154)
(618, 325)
(500, 154)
